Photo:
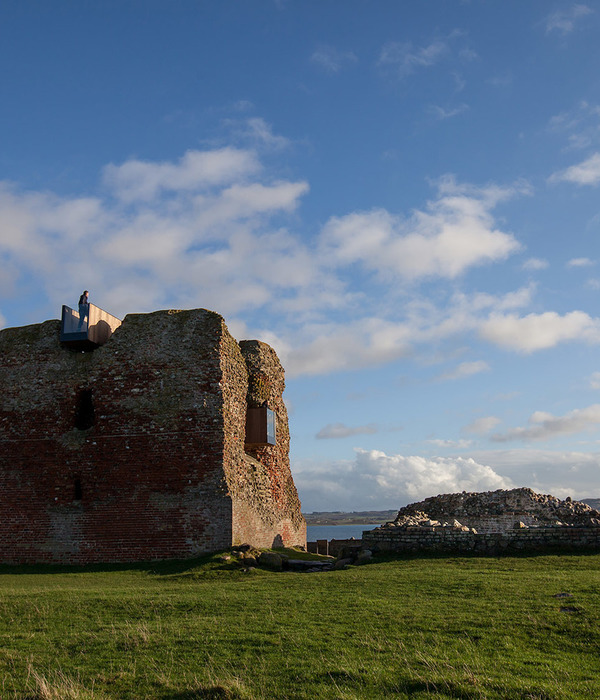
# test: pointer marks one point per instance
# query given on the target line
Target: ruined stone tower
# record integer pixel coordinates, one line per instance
(168, 441)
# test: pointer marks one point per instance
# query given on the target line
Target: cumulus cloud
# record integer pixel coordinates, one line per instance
(259, 131)
(375, 479)
(335, 431)
(466, 369)
(535, 264)
(564, 21)
(544, 426)
(175, 234)
(481, 426)
(332, 60)
(374, 340)
(322, 348)
(456, 232)
(539, 331)
(560, 473)
(406, 58)
(418, 477)
(585, 173)
(453, 444)
(580, 262)
(443, 113)
(136, 179)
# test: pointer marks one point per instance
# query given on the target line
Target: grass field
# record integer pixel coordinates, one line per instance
(408, 628)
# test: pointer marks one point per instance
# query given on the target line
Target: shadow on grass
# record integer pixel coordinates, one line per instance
(170, 567)
(385, 556)
(166, 567)
(461, 691)
(160, 568)
(216, 692)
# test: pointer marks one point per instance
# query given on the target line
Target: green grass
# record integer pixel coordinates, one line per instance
(406, 628)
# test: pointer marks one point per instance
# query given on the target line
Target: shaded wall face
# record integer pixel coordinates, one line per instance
(266, 507)
(114, 455)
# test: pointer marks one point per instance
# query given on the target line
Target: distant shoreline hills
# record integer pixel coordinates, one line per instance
(378, 517)
(357, 517)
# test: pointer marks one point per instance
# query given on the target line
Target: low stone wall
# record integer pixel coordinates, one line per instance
(486, 524)
(332, 547)
(459, 540)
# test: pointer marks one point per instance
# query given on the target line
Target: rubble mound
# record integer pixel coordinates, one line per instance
(518, 503)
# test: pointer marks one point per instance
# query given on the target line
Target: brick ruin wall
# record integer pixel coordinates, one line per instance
(489, 523)
(266, 499)
(134, 451)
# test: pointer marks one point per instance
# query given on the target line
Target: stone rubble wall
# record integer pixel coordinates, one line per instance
(489, 523)
(497, 511)
(413, 540)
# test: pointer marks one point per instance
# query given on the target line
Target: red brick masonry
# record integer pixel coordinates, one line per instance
(135, 451)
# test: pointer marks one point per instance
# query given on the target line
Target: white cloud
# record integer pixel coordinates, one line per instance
(561, 474)
(405, 58)
(179, 236)
(376, 480)
(442, 113)
(564, 21)
(258, 130)
(595, 380)
(329, 347)
(215, 217)
(143, 180)
(455, 233)
(539, 331)
(585, 173)
(580, 262)
(535, 264)
(466, 369)
(481, 426)
(332, 60)
(579, 123)
(419, 477)
(544, 426)
(335, 431)
(501, 81)
(367, 341)
(452, 444)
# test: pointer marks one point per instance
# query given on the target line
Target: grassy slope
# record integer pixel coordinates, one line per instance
(446, 628)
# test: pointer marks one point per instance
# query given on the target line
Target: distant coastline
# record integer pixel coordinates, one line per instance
(354, 518)
(362, 517)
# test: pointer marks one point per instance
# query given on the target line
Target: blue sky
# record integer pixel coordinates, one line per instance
(401, 197)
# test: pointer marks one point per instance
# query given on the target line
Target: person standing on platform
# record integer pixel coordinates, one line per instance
(84, 308)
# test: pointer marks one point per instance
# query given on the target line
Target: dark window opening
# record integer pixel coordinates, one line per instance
(78, 493)
(84, 415)
(260, 427)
